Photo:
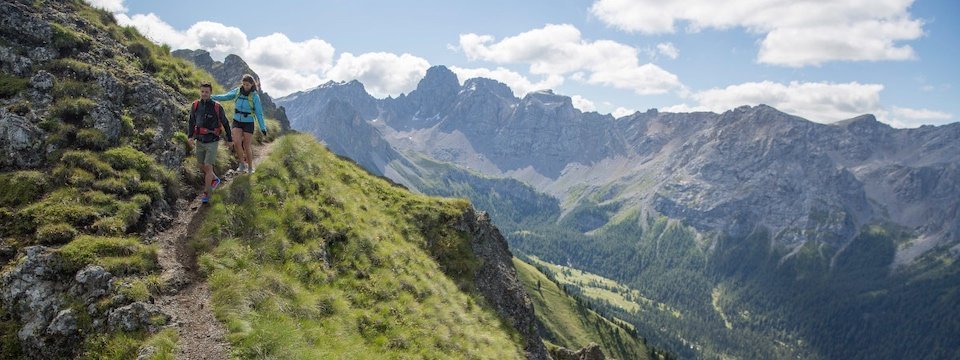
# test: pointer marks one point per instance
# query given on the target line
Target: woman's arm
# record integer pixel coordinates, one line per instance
(232, 94)
(259, 110)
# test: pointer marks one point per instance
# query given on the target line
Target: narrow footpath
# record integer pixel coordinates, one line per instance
(188, 297)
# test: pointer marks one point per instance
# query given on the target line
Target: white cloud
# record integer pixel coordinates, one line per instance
(816, 101)
(278, 51)
(151, 26)
(909, 118)
(583, 104)
(796, 33)
(284, 65)
(559, 50)
(667, 49)
(622, 111)
(113, 6)
(381, 73)
(518, 83)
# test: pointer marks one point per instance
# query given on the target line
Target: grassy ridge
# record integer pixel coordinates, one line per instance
(572, 324)
(313, 258)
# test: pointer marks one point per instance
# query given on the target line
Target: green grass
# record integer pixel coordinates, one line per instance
(117, 255)
(21, 187)
(570, 323)
(123, 346)
(602, 289)
(313, 258)
(11, 85)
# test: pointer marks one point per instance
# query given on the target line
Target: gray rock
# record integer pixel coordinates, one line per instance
(42, 81)
(20, 142)
(92, 283)
(589, 352)
(13, 63)
(107, 121)
(136, 316)
(64, 325)
(112, 89)
(32, 291)
(146, 353)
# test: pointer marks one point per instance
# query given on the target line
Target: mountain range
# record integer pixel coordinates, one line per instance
(800, 198)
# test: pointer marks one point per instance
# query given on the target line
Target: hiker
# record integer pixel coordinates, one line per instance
(207, 122)
(247, 101)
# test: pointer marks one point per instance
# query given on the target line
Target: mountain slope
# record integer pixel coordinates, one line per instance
(312, 248)
(95, 165)
(569, 323)
(748, 201)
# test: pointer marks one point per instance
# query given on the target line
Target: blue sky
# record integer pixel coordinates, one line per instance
(825, 61)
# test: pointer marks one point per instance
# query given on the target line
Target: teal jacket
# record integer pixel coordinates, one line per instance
(243, 113)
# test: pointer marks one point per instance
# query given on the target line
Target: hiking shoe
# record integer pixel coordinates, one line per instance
(250, 170)
(214, 184)
(206, 198)
(242, 167)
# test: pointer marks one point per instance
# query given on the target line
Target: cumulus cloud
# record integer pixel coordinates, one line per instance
(816, 101)
(667, 49)
(558, 50)
(381, 73)
(583, 104)
(113, 6)
(909, 118)
(151, 26)
(519, 84)
(796, 33)
(284, 65)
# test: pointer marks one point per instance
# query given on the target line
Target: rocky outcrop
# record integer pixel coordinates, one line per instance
(48, 300)
(589, 352)
(497, 280)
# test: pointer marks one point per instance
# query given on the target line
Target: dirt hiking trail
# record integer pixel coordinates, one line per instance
(188, 296)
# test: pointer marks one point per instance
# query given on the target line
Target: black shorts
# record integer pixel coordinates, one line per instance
(247, 127)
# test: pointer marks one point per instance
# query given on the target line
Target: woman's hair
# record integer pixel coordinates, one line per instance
(249, 78)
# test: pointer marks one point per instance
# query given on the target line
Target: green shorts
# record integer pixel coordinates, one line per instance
(207, 152)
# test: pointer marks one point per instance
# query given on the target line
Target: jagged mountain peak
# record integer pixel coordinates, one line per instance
(481, 85)
(438, 77)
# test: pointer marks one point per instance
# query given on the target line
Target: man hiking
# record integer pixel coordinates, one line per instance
(205, 127)
(247, 107)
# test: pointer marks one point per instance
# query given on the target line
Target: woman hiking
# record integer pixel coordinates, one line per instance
(247, 105)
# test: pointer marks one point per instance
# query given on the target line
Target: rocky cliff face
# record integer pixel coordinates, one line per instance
(498, 282)
(229, 73)
(89, 116)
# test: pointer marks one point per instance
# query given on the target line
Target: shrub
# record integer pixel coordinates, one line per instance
(88, 161)
(11, 85)
(64, 205)
(55, 234)
(113, 185)
(21, 187)
(126, 157)
(91, 138)
(142, 52)
(72, 110)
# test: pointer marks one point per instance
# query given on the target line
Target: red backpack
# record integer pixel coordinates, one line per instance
(197, 129)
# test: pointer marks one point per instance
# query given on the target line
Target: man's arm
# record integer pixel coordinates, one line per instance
(191, 122)
(224, 123)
